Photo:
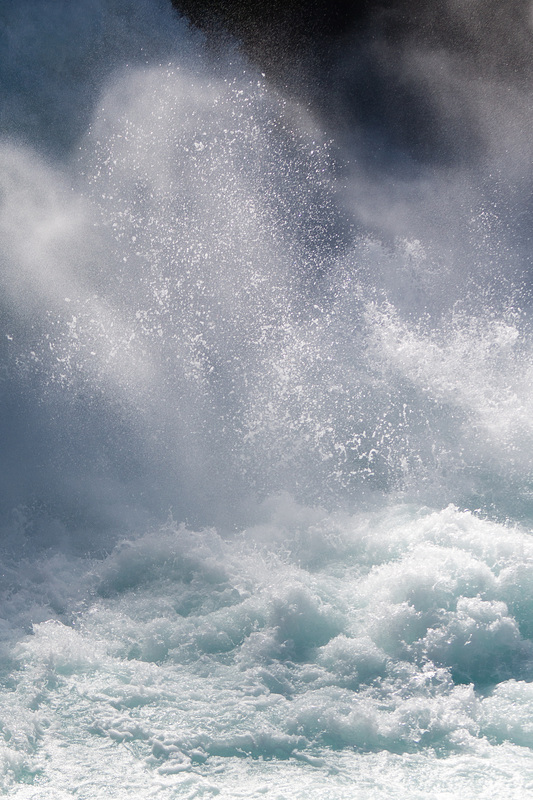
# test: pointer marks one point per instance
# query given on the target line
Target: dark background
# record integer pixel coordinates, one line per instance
(345, 60)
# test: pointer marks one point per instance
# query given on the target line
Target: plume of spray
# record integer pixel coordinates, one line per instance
(202, 309)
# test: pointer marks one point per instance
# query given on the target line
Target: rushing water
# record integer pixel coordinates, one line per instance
(267, 429)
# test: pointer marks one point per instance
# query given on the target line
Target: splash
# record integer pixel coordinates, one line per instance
(267, 435)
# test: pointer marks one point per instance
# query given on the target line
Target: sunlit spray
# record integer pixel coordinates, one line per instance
(266, 459)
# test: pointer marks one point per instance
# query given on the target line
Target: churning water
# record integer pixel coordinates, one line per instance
(267, 430)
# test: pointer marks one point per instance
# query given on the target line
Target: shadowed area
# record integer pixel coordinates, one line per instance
(347, 59)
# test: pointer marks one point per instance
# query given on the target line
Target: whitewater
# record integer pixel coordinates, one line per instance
(267, 429)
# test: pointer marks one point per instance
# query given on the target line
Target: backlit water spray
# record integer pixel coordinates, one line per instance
(266, 431)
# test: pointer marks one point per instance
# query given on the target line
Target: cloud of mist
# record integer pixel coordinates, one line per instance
(141, 270)
(433, 114)
(190, 321)
(56, 56)
(65, 464)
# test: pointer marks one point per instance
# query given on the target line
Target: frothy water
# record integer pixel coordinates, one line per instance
(267, 432)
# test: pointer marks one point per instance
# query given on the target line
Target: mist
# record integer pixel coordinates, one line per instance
(266, 433)
(200, 304)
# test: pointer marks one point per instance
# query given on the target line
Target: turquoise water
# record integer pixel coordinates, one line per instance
(266, 502)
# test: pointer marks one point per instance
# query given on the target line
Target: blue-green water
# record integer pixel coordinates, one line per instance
(266, 476)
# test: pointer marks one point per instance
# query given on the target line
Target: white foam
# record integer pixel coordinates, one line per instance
(193, 660)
